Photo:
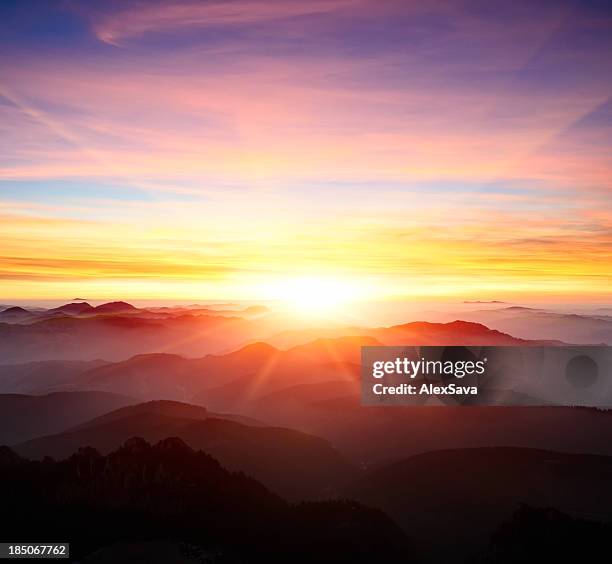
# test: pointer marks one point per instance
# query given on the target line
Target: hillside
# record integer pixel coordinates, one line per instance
(293, 464)
(23, 417)
(141, 493)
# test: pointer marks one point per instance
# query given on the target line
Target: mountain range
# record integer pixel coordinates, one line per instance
(170, 493)
(465, 494)
(293, 464)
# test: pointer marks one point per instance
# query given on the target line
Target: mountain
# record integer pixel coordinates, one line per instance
(141, 493)
(224, 382)
(14, 314)
(338, 349)
(530, 323)
(293, 464)
(116, 307)
(419, 333)
(375, 435)
(546, 535)
(467, 493)
(161, 407)
(74, 308)
(168, 408)
(23, 417)
(147, 376)
(116, 337)
(455, 333)
(42, 377)
(166, 376)
(323, 360)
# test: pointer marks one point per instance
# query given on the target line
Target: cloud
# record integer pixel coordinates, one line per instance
(427, 143)
(140, 19)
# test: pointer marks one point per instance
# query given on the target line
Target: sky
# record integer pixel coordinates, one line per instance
(376, 148)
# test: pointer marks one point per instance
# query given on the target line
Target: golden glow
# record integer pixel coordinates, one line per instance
(314, 296)
(237, 171)
(445, 251)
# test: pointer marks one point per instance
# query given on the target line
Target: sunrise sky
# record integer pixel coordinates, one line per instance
(224, 149)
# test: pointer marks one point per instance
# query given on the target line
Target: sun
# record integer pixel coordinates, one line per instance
(314, 296)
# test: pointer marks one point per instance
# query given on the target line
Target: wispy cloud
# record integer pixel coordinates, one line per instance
(141, 18)
(439, 145)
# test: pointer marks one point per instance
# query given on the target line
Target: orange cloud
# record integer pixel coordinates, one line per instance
(212, 167)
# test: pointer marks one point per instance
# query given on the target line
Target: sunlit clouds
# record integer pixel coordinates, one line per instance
(214, 149)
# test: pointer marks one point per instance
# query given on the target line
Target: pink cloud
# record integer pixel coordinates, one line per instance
(140, 19)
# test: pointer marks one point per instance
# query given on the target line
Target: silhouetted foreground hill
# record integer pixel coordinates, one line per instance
(168, 491)
(295, 465)
(465, 494)
(547, 535)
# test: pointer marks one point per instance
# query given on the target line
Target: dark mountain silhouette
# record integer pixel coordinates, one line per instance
(464, 494)
(293, 464)
(546, 535)
(142, 493)
(23, 417)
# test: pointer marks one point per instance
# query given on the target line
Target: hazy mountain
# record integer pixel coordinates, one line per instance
(44, 376)
(168, 408)
(323, 360)
(75, 308)
(457, 333)
(165, 376)
(116, 307)
(465, 494)
(235, 382)
(225, 381)
(529, 323)
(252, 312)
(461, 333)
(23, 417)
(15, 314)
(117, 337)
(293, 464)
(374, 435)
